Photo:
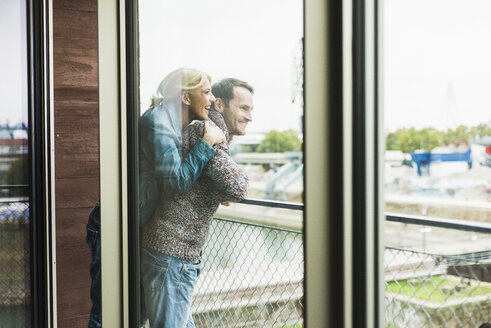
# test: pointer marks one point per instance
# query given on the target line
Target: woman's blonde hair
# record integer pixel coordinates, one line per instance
(181, 79)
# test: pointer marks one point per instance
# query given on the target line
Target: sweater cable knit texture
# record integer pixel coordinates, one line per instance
(182, 221)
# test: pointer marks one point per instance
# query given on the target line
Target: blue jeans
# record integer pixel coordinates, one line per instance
(93, 239)
(168, 285)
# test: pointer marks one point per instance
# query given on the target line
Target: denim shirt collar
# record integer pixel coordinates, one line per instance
(174, 115)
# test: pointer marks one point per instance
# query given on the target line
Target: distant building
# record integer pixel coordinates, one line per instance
(248, 142)
(486, 142)
(13, 143)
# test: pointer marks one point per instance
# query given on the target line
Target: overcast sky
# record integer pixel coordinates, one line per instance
(436, 56)
(252, 40)
(13, 62)
(437, 63)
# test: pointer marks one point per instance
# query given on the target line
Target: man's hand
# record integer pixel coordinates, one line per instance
(213, 135)
(225, 203)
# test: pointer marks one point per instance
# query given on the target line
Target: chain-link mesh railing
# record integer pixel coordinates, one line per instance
(15, 263)
(252, 277)
(427, 285)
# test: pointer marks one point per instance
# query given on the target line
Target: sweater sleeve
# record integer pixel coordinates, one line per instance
(229, 179)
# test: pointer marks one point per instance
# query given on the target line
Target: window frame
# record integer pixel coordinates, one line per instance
(41, 163)
(340, 40)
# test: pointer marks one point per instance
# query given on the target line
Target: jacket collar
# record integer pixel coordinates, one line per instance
(174, 116)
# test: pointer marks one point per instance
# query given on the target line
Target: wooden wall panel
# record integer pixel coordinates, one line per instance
(76, 116)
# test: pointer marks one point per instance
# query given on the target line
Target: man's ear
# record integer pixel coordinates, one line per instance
(185, 98)
(219, 105)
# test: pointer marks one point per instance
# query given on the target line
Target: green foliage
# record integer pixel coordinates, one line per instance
(431, 289)
(411, 139)
(17, 173)
(279, 142)
(246, 149)
(481, 130)
(408, 140)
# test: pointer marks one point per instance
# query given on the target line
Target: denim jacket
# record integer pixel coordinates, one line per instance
(161, 165)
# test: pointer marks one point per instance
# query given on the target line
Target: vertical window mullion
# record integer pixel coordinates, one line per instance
(366, 131)
(132, 99)
(43, 291)
(111, 168)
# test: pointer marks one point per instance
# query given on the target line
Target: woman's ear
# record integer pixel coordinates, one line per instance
(219, 105)
(185, 98)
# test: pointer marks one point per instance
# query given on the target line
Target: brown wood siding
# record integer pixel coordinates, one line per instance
(76, 116)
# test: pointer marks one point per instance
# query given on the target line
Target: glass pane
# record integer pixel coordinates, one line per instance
(437, 162)
(250, 256)
(14, 202)
(258, 42)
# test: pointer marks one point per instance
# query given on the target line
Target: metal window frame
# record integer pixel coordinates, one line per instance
(336, 34)
(41, 158)
(344, 212)
(367, 149)
(326, 302)
(133, 114)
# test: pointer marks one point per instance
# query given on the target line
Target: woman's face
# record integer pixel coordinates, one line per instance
(200, 101)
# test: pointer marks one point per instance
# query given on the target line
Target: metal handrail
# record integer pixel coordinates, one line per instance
(258, 225)
(18, 199)
(16, 186)
(455, 224)
(273, 203)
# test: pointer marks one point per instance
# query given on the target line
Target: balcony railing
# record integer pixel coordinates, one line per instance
(252, 277)
(253, 274)
(437, 271)
(14, 262)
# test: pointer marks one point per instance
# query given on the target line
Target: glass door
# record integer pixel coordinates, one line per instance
(250, 270)
(235, 206)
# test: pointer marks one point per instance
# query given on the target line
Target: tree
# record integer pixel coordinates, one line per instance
(426, 139)
(481, 130)
(460, 134)
(430, 138)
(392, 141)
(17, 173)
(279, 142)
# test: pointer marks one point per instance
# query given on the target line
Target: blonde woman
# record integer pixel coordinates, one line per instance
(183, 95)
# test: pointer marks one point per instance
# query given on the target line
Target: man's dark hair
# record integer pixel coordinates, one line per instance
(485, 325)
(224, 89)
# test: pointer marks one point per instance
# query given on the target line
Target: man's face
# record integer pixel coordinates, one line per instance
(238, 113)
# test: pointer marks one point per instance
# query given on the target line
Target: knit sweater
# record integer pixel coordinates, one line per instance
(181, 221)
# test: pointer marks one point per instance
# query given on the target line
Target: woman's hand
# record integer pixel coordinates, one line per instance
(213, 135)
